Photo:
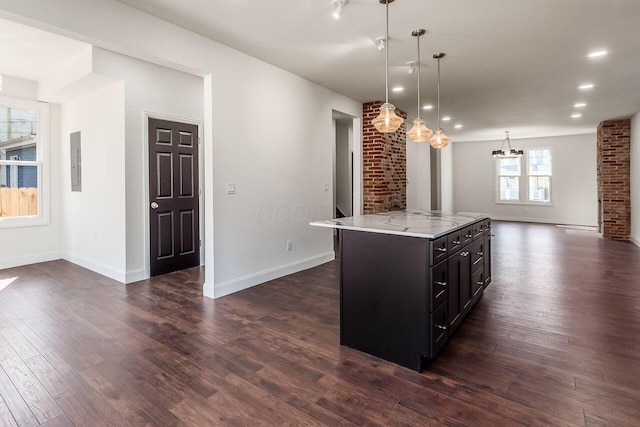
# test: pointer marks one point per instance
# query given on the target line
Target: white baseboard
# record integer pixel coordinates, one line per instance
(539, 220)
(136, 275)
(235, 285)
(635, 241)
(99, 268)
(29, 259)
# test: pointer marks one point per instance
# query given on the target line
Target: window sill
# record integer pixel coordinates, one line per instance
(23, 221)
(505, 202)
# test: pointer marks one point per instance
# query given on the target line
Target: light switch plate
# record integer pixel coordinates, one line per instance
(231, 189)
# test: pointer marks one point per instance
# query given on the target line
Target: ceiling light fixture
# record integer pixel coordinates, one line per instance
(580, 105)
(512, 154)
(586, 86)
(412, 66)
(439, 138)
(597, 54)
(337, 6)
(419, 132)
(381, 43)
(387, 121)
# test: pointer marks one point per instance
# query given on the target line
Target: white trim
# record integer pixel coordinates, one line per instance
(29, 259)
(537, 219)
(146, 115)
(634, 241)
(136, 275)
(254, 279)
(117, 275)
(524, 181)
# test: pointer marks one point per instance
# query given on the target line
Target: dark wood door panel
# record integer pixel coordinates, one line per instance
(174, 196)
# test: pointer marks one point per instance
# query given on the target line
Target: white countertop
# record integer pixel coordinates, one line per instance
(415, 223)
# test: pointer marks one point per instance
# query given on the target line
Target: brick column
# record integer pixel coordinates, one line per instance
(614, 178)
(384, 164)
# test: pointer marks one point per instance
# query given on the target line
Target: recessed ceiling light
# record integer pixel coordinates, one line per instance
(597, 53)
(586, 86)
(580, 105)
(576, 116)
(458, 126)
(446, 118)
(398, 89)
(428, 107)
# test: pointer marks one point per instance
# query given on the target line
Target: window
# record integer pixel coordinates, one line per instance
(23, 149)
(535, 187)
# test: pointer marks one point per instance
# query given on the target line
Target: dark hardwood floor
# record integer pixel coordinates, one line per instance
(555, 340)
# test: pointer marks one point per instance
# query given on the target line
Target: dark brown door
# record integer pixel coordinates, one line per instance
(173, 196)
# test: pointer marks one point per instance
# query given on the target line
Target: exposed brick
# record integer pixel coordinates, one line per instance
(614, 179)
(384, 166)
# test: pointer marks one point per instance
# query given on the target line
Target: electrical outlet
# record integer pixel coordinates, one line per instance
(289, 245)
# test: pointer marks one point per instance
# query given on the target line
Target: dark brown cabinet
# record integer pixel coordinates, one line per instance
(403, 297)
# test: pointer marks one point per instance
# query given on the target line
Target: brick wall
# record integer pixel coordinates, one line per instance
(614, 179)
(384, 164)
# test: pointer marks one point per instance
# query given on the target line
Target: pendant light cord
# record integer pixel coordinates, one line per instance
(438, 93)
(418, 76)
(386, 56)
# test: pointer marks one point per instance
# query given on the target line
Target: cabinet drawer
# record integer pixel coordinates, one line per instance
(439, 285)
(454, 240)
(478, 229)
(477, 254)
(477, 282)
(439, 250)
(487, 226)
(439, 330)
(467, 235)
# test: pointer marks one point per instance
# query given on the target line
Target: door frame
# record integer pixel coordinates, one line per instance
(147, 234)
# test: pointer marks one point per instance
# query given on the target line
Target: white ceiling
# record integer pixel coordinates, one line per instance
(29, 53)
(511, 64)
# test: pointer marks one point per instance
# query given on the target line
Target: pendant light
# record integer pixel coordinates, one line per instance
(512, 154)
(387, 121)
(439, 139)
(419, 132)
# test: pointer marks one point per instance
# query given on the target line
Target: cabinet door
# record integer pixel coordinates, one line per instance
(459, 286)
(439, 329)
(487, 259)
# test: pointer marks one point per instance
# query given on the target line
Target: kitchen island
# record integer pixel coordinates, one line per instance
(408, 278)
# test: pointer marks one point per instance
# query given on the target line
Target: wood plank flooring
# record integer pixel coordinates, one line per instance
(555, 340)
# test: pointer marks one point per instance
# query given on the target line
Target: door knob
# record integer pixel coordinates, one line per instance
(154, 205)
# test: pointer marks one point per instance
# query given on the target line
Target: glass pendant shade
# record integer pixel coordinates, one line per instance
(387, 121)
(419, 132)
(439, 140)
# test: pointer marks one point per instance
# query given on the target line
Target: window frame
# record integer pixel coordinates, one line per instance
(524, 180)
(41, 162)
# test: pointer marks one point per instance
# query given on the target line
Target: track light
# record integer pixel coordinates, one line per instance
(337, 6)
(381, 43)
(412, 66)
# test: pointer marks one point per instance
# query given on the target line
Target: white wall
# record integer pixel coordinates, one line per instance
(635, 179)
(343, 168)
(269, 131)
(418, 175)
(153, 89)
(574, 181)
(38, 243)
(94, 218)
(446, 178)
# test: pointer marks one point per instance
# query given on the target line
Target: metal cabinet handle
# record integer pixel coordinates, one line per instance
(464, 253)
(468, 236)
(154, 205)
(440, 283)
(444, 328)
(479, 253)
(480, 283)
(441, 249)
(456, 242)
(440, 294)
